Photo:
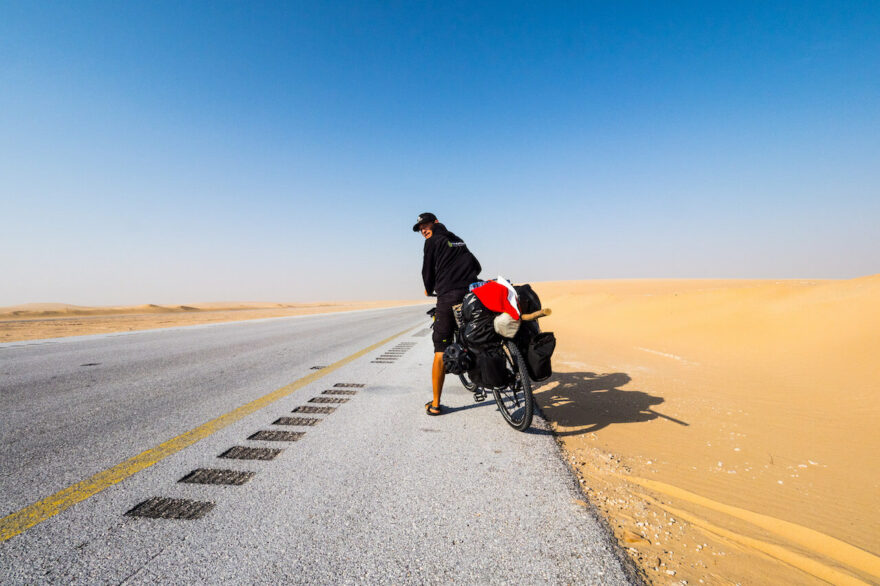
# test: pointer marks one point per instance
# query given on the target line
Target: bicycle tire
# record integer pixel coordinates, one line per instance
(466, 382)
(515, 401)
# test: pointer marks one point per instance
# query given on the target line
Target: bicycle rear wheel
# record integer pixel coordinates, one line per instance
(468, 384)
(515, 400)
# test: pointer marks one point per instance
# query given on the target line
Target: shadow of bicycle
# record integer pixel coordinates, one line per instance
(588, 402)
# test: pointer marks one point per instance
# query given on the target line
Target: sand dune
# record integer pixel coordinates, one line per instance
(42, 310)
(696, 399)
(51, 320)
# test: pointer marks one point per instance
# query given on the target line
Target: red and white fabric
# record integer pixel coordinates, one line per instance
(499, 296)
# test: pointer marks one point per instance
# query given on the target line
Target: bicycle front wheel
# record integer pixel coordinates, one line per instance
(515, 400)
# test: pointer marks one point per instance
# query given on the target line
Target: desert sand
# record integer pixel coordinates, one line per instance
(726, 430)
(36, 321)
(729, 431)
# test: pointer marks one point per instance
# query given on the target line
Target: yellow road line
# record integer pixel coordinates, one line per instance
(22, 520)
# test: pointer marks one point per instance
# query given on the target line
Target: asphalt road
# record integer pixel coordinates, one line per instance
(376, 492)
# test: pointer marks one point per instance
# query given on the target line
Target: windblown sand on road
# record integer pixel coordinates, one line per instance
(728, 430)
(36, 321)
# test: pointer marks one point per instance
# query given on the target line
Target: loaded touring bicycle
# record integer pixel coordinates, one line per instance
(501, 351)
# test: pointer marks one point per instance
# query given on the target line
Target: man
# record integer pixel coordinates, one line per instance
(448, 269)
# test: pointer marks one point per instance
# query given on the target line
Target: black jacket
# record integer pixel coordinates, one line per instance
(448, 264)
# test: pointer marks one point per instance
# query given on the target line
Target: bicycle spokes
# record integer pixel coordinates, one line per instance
(515, 399)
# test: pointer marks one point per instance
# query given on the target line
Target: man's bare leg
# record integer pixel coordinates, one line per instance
(438, 375)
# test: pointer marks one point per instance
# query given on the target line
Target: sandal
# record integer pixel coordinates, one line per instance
(431, 410)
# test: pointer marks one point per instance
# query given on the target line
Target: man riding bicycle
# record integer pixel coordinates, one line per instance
(448, 268)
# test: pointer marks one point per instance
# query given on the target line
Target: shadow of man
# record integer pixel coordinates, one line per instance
(588, 402)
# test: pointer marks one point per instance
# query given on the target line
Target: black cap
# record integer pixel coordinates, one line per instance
(423, 218)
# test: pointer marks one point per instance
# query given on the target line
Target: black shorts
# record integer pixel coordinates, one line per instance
(444, 321)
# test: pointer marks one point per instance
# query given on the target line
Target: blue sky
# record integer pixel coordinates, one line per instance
(181, 152)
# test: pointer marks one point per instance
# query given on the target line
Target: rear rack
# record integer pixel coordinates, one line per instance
(456, 311)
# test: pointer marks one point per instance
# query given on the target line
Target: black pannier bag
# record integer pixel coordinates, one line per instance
(457, 360)
(540, 349)
(490, 369)
(479, 329)
(528, 303)
(536, 347)
(474, 374)
(528, 299)
(527, 331)
(480, 334)
(473, 309)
